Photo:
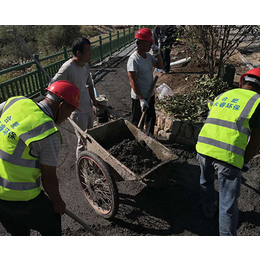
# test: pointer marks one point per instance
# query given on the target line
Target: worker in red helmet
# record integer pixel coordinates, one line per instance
(226, 143)
(140, 68)
(29, 145)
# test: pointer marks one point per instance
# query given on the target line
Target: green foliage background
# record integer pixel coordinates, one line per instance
(193, 107)
(40, 39)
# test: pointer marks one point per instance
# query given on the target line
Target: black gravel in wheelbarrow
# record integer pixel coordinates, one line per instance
(135, 155)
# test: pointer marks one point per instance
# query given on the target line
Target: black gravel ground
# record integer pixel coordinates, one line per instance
(173, 210)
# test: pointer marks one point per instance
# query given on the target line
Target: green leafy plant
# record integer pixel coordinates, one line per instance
(193, 106)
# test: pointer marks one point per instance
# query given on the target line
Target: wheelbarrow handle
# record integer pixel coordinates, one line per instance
(82, 223)
(76, 127)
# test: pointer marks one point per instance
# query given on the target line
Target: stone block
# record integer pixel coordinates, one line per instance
(156, 130)
(196, 132)
(168, 125)
(163, 134)
(160, 122)
(160, 132)
(191, 142)
(176, 125)
(182, 130)
(180, 139)
(188, 131)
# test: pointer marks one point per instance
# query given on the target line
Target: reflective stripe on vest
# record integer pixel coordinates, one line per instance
(15, 158)
(225, 146)
(228, 124)
(12, 102)
(219, 133)
(20, 185)
(19, 171)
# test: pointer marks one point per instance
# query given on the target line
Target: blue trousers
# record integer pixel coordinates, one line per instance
(229, 181)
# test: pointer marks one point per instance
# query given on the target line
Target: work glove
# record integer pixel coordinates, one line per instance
(245, 168)
(156, 50)
(143, 104)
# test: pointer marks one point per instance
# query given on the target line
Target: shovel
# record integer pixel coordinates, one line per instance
(148, 100)
(82, 223)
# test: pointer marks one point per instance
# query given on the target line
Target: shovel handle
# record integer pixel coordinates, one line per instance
(82, 223)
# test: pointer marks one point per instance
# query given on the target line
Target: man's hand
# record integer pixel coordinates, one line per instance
(51, 187)
(59, 207)
(143, 104)
(95, 102)
(156, 50)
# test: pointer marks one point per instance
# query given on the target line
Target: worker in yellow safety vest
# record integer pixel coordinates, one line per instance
(228, 140)
(29, 148)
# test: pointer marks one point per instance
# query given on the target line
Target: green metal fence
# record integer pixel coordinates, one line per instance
(34, 82)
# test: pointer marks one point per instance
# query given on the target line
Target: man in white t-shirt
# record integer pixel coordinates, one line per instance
(76, 71)
(140, 67)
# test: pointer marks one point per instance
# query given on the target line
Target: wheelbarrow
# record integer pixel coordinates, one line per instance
(98, 170)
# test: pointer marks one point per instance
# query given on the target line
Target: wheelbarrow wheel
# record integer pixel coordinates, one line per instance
(97, 184)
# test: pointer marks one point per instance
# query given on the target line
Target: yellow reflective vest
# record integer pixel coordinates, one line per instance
(225, 133)
(22, 122)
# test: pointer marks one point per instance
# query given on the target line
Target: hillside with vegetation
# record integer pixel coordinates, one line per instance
(44, 40)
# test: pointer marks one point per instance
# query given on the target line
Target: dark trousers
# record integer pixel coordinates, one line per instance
(166, 59)
(18, 217)
(149, 118)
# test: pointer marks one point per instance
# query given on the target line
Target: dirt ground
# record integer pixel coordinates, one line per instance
(174, 209)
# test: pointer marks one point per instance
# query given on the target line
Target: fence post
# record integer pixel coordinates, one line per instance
(65, 54)
(101, 51)
(136, 28)
(110, 44)
(118, 46)
(36, 56)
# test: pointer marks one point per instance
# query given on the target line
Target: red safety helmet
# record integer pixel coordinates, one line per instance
(144, 34)
(67, 91)
(253, 72)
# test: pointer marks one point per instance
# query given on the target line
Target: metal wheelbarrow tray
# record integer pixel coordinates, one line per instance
(98, 170)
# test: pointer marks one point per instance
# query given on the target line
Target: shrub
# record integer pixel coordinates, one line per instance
(193, 106)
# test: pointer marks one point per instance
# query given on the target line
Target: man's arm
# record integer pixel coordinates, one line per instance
(159, 63)
(253, 146)
(132, 78)
(51, 187)
(92, 95)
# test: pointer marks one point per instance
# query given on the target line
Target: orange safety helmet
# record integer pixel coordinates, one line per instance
(144, 34)
(67, 91)
(253, 72)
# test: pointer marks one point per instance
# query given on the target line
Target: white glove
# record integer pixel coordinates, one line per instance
(245, 168)
(143, 104)
(156, 50)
